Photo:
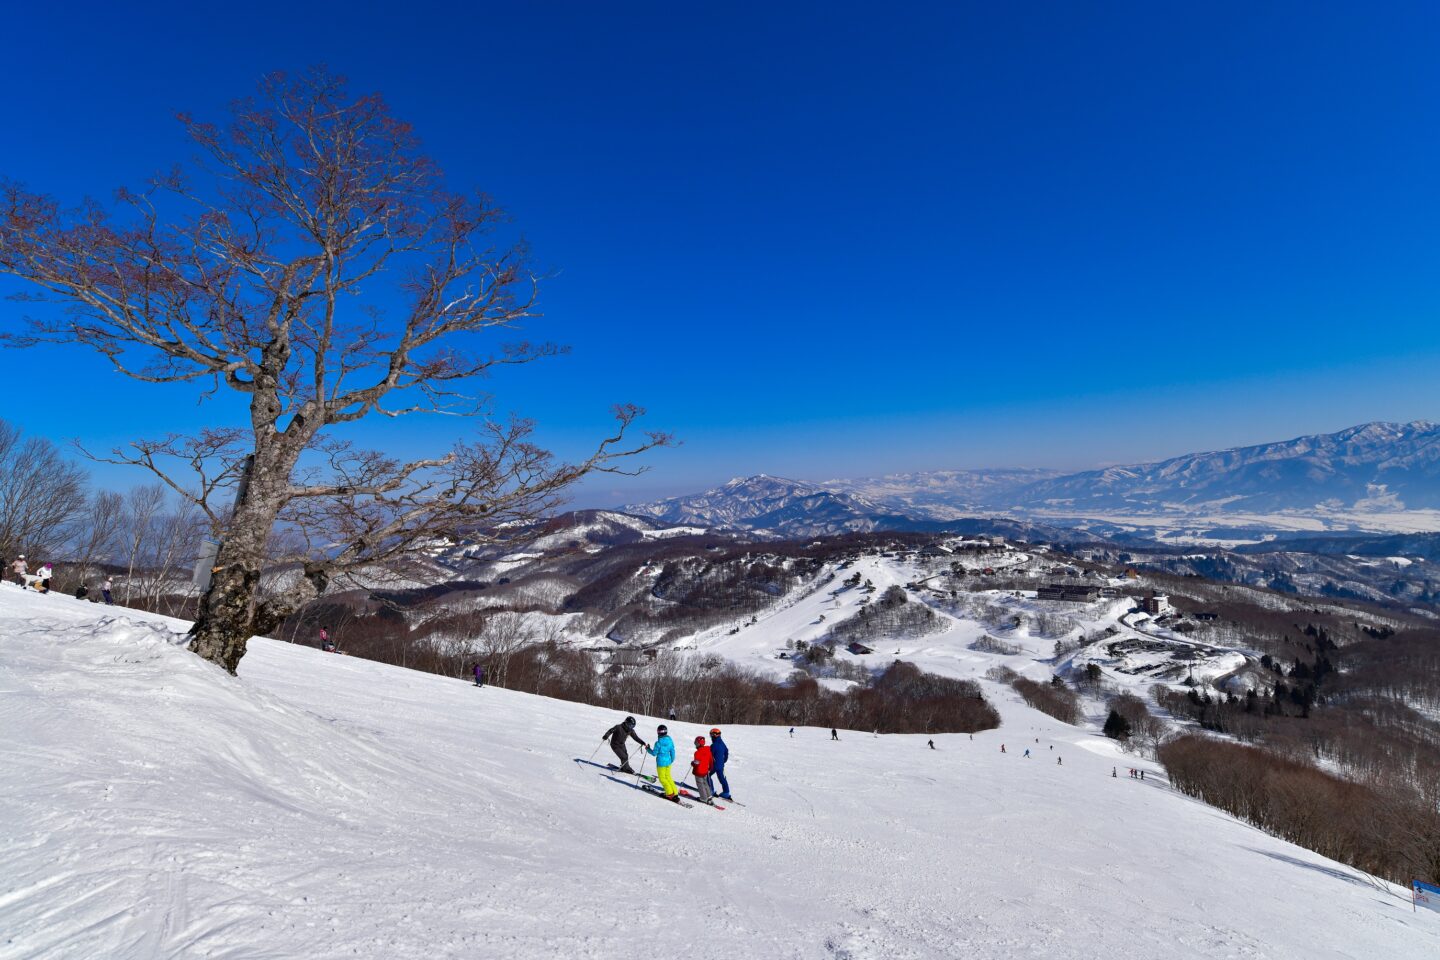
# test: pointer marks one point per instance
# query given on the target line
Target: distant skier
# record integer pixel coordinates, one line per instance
(719, 754)
(1002, 748)
(672, 713)
(833, 734)
(19, 568)
(105, 589)
(792, 733)
(480, 681)
(700, 767)
(325, 643)
(664, 754)
(1114, 772)
(1142, 774)
(616, 734)
(932, 744)
(1027, 752)
(1059, 761)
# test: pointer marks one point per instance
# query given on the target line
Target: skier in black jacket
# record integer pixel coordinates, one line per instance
(616, 735)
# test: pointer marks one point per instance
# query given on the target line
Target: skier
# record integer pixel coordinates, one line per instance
(664, 754)
(325, 643)
(19, 568)
(1059, 761)
(1002, 748)
(616, 734)
(672, 713)
(1142, 774)
(792, 733)
(833, 734)
(1113, 772)
(1027, 752)
(480, 682)
(719, 753)
(932, 744)
(700, 767)
(106, 588)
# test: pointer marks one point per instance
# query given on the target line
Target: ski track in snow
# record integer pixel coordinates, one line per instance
(319, 806)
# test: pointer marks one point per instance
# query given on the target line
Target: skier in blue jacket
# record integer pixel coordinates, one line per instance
(719, 753)
(664, 754)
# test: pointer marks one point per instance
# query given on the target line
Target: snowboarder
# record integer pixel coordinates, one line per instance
(480, 682)
(664, 754)
(700, 767)
(833, 734)
(616, 734)
(105, 589)
(719, 753)
(19, 568)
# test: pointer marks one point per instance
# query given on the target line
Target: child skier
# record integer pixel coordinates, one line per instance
(479, 675)
(19, 568)
(700, 767)
(719, 753)
(106, 588)
(664, 754)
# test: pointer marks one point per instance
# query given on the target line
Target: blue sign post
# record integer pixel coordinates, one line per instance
(1425, 895)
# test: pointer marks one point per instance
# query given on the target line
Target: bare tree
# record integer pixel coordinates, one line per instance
(41, 495)
(99, 536)
(298, 209)
(142, 505)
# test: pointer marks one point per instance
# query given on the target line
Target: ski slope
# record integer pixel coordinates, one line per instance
(320, 806)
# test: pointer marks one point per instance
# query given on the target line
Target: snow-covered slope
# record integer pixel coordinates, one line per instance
(320, 806)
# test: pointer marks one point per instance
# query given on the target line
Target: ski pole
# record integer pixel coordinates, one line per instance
(595, 751)
(644, 757)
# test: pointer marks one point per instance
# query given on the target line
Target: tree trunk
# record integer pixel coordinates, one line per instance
(226, 618)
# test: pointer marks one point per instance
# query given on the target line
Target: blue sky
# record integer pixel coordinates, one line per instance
(831, 239)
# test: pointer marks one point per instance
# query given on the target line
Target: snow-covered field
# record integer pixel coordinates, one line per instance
(320, 806)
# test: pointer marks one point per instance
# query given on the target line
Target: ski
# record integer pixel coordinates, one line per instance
(691, 796)
(686, 786)
(646, 789)
(659, 793)
(643, 776)
(610, 766)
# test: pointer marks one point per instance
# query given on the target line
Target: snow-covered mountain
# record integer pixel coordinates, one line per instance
(1372, 467)
(1376, 477)
(941, 494)
(774, 505)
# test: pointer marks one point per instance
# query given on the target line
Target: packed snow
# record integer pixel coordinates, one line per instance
(321, 806)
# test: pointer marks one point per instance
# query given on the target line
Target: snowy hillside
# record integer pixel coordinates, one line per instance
(323, 806)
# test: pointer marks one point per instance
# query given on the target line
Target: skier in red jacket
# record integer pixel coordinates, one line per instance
(701, 767)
